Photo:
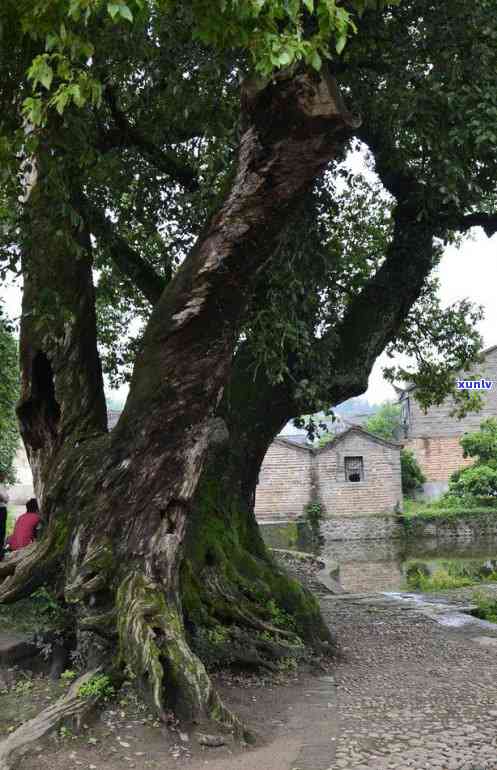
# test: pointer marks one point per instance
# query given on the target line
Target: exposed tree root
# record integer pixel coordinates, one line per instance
(70, 706)
(25, 571)
(152, 642)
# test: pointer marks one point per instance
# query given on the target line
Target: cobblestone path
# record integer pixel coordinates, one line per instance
(412, 693)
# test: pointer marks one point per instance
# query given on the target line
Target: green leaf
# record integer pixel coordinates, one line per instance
(284, 58)
(309, 4)
(316, 61)
(341, 43)
(113, 9)
(125, 12)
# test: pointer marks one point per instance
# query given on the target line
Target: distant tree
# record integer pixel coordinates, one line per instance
(386, 424)
(9, 393)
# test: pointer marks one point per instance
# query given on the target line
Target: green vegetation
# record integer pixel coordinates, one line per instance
(449, 574)
(440, 580)
(313, 515)
(386, 423)
(444, 508)
(41, 612)
(478, 483)
(473, 490)
(99, 686)
(9, 394)
(486, 607)
(10, 521)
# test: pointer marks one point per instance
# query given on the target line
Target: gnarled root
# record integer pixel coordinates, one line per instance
(152, 643)
(26, 570)
(71, 705)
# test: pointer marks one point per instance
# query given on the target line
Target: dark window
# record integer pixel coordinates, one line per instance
(354, 469)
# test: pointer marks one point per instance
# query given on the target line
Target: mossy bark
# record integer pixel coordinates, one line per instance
(120, 505)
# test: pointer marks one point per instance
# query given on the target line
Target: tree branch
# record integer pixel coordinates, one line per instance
(128, 261)
(126, 135)
(479, 219)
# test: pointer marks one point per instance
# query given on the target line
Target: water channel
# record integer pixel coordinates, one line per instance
(379, 565)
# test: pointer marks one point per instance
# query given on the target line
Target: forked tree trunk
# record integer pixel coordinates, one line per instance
(120, 504)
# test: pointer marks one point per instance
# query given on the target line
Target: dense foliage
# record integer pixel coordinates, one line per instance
(478, 483)
(413, 477)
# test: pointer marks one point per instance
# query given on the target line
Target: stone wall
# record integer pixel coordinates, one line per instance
(284, 482)
(381, 489)
(465, 527)
(361, 528)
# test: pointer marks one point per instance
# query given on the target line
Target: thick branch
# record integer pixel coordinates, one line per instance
(62, 391)
(129, 262)
(479, 219)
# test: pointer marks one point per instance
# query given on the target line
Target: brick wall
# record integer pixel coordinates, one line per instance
(284, 482)
(381, 490)
(438, 422)
(438, 456)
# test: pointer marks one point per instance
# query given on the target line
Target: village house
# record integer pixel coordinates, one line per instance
(434, 435)
(355, 474)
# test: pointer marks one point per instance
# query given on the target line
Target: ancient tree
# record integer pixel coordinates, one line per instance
(151, 537)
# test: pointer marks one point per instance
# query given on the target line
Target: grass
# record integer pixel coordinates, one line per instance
(440, 580)
(421, 509)
(10, 521)
(486, 608)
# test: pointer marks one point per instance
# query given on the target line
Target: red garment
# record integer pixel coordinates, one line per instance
(24, 531)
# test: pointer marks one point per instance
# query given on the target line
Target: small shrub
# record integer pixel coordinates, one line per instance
(99, 686)
(486, 607)
(68, 676)
(413, 477)
(440, 580)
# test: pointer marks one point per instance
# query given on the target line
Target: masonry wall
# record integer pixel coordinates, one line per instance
(365, 527)
(381, 490)
(284, 482)
(22, 490)
(437, 422)
(438, 456)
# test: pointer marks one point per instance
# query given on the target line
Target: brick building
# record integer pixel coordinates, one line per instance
(434, 435)
(356, 474)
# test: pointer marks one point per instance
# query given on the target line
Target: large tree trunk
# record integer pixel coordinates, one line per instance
(231, 587)
(227, 568)
(120, 505)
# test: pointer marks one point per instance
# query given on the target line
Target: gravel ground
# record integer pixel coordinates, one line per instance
(412, 693)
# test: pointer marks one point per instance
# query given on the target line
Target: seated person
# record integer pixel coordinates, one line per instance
(26, 527)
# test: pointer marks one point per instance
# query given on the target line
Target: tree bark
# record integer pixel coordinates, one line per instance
(119, 504)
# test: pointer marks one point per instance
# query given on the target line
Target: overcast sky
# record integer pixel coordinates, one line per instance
(469, 271)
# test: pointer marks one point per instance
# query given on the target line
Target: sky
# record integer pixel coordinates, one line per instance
(469, 271)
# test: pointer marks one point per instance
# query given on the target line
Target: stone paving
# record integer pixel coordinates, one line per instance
(415, 689)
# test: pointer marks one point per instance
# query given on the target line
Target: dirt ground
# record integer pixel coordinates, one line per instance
(125, 735)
